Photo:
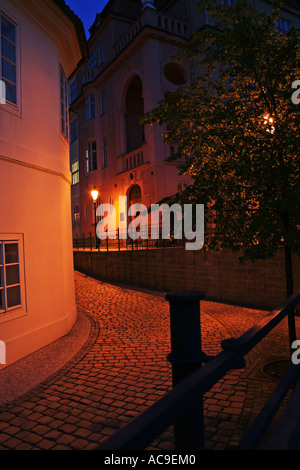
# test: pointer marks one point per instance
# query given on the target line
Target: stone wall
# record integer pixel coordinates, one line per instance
(218, 274)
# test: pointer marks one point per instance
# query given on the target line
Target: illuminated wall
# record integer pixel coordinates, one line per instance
(39, 50)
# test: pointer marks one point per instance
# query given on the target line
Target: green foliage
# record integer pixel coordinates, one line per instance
(240, 130)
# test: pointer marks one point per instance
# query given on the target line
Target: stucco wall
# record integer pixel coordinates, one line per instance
(35, 187)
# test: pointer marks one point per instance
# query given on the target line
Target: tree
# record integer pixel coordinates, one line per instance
(239, 130)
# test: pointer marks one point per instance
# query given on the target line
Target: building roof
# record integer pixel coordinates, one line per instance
(77, 23)
(128, 9)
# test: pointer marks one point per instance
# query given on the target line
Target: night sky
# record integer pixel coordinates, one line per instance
(86, 10)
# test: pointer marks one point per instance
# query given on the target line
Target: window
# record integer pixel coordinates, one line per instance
(283, 25)
(101, 54)
(76, 216)
(104, 152)
(134, 105)
(8, 68)
(100, 211)
(11, 290)
(102, 102)
(91, 157)
(75, 172)
(90, 107)
(73, 131)
(64, 104)
(111, 203)
(73, 90)
(93, 59)
(85, 67)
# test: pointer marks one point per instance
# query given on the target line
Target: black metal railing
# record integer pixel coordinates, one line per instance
(118, 240)
(192, 379)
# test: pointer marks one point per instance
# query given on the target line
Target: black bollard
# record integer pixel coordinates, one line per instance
(186, 357)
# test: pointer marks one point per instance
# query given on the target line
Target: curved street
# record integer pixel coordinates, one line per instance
(80, 390)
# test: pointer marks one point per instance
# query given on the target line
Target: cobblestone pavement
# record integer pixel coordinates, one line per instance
(121, 370)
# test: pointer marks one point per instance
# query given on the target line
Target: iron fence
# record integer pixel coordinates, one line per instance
(117, 240)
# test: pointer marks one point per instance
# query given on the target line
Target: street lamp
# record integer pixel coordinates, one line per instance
(95, 194)
(269, 121)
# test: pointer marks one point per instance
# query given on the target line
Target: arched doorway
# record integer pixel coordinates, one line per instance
(134, 103)
(134, 196)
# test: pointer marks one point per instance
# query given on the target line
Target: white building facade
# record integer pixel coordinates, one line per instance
(41, 44)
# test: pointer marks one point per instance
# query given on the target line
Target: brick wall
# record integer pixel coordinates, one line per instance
(218, 274)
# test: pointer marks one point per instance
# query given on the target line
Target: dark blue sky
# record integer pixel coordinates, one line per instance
(86, 10)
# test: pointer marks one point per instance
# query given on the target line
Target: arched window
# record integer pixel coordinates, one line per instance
(134, 111)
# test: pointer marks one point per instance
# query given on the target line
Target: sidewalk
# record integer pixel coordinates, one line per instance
(80, 390)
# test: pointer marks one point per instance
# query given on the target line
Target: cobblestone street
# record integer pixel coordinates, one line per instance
(121, 369)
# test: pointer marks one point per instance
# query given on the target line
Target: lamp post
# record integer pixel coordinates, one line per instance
(95, 194)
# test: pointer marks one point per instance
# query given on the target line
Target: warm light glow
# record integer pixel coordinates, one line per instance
(268, 121)
(95, 194)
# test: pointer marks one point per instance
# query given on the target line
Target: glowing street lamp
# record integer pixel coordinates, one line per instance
(95, 194)
(269, 121)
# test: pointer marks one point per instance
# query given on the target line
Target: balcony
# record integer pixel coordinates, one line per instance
(155, 20)
(134, 159)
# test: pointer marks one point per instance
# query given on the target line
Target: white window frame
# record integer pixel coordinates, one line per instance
(14, 108)
(64, 104)
(9, 313)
